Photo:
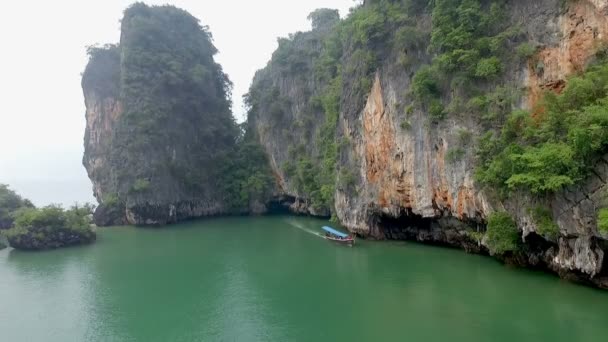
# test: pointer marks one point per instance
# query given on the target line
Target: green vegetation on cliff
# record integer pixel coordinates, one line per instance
(246, 177)
(502, 235)
(554, 146)
(557, 144)
(602, 214)
(470, 40)
(602, 221)
(545, 224)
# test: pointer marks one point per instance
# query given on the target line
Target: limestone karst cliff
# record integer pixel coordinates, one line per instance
(161, 144)
(377, 119)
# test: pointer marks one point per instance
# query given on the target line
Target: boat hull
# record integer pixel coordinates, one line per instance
(346, 242)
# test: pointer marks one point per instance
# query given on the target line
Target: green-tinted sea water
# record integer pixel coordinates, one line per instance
(270, 279)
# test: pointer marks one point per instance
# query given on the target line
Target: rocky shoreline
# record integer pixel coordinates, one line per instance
(535, 252)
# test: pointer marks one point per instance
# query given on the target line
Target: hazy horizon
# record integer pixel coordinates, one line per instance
(42, 121)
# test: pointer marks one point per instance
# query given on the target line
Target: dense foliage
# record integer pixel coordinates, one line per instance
(470, 40)
(10, 202)
(502, 235)
(554, 146)
(324, 18)
(246, 176)
(54, 217)
(51, 227)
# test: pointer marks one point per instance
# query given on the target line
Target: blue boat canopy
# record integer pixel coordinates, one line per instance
(334, 232)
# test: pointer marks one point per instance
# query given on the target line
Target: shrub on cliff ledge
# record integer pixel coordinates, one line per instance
(141, 185)
(602, 221)
(51, 227)
(502, 234)
(544, 222)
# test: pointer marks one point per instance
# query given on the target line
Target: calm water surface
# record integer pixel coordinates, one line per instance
(270, 279)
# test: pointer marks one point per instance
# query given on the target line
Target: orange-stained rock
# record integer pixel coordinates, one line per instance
(101, 115)
(405, 170)
(379, 135)
(584, 28)
(384, 165)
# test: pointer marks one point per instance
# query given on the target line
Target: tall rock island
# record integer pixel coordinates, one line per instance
(160, 132)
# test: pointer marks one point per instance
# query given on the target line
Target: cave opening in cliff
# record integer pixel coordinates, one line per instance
(405, 226)
(280, 205)
(537, 243)
(603, 245)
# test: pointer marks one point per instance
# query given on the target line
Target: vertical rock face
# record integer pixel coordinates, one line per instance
(101, 86)
(286, 121)
(415, 180)
(582, 29)
(404, 171)
(158, 120)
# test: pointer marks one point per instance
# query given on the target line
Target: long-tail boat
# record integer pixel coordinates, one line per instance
(338, 237)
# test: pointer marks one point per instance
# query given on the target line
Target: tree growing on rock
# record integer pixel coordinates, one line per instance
(324, 18)
(10, 202)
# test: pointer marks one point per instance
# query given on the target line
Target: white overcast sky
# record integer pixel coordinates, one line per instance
(43, 54)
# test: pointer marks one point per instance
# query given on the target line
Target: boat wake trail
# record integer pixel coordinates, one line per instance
(301, 227)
